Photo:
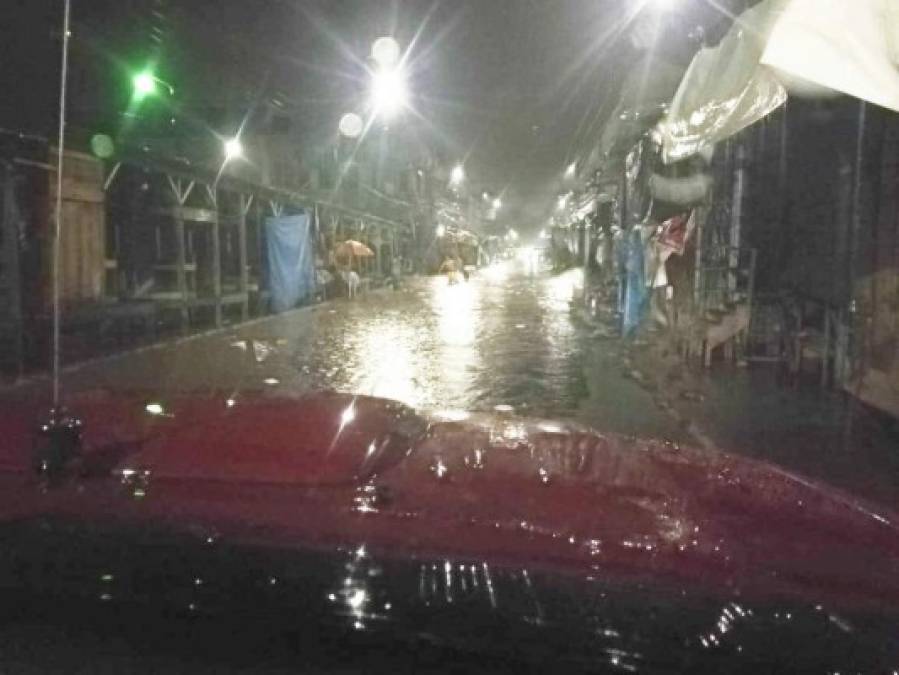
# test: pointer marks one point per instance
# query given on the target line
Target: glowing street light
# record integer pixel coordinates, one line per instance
(233, 149)
(497, 203)
(351, 125)
(388, 92)
(457, 175)
(386, 52)
(145, 83)
(570, 171)
(441, 230)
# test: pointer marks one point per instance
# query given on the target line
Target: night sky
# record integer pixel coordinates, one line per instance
(516, 88)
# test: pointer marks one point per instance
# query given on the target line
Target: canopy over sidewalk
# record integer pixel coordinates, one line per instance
(800, 47)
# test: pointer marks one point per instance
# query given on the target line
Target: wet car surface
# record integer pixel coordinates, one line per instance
(535, 541)
(468, 336)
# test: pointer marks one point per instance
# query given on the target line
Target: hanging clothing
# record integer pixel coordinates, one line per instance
(676, 232)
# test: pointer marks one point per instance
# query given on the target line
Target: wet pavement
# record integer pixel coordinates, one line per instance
(506, 340)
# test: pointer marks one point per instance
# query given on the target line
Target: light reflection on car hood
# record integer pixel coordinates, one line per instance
(423, 513)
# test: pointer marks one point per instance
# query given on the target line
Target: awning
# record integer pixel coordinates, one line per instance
(725, 88)
(804, 47)
(845, 46)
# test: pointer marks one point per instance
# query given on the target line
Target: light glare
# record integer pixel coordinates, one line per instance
(388, 92)
(350, 125)
(386, 52)
(233, 149)
(348, 415)
(144, 84)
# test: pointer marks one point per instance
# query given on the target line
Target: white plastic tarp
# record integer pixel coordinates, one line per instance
(845, 46)
(725, 89)
(686, 190)
(806, 47)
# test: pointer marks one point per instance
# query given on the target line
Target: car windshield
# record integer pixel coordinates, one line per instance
(511, 332)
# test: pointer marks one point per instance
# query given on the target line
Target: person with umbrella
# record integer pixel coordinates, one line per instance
(351, 250)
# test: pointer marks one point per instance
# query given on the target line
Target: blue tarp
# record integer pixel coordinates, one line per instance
(635, 293)
(291, 260)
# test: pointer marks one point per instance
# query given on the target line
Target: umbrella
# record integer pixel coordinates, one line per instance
(468, 238)
(353, 249)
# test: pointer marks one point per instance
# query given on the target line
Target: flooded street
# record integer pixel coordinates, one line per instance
(505, 340)
(464, 336)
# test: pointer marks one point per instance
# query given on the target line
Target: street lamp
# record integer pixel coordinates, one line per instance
(351, 125)
(145, 83)
(457, 175)
(497, 203)
(388, 92)
(386, 52)
(441, 230)
(233, 149)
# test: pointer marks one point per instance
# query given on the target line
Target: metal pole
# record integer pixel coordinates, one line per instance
(60, 146)
(217, 259)
(855, 225)
(180, 270)
(242, 257)
(587, 262)
(736, 220)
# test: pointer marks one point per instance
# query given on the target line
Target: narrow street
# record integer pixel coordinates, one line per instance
(506, 340)
(449, 336)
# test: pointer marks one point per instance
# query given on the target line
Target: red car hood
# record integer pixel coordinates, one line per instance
(336, 470)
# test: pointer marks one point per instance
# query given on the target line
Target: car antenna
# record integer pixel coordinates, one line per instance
(59, 436)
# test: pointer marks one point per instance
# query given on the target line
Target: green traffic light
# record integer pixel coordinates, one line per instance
(144, 84)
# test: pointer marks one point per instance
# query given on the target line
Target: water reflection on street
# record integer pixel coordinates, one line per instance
(506, 337)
